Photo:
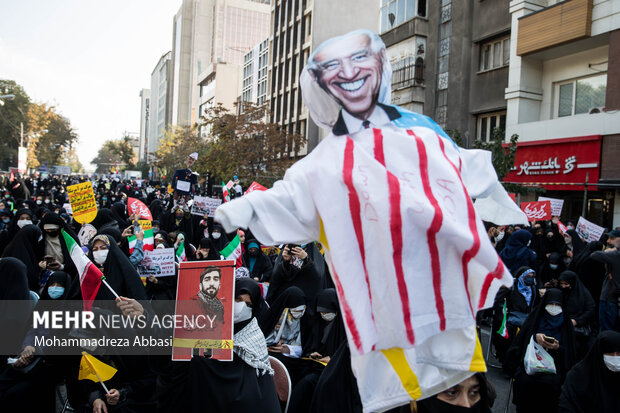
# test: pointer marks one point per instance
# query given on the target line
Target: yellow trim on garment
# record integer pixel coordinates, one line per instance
(477, 361)
(322, 236)
(396, 357)
(202, 343)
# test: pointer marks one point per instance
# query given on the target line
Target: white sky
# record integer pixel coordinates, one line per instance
(88, 58)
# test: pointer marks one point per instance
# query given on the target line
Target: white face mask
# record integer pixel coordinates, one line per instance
(216, 235)
(160, 246)
(242, 312)
(298, 312)
(553, 309)
(612, 363)
(499, 237)
(100, 256)
(328, 316)
(23, 222)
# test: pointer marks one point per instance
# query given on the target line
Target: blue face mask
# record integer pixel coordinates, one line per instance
(55, 292)
(6, 220)
(529, 281)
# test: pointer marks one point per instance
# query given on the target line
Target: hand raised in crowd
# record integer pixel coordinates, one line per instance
(153, 279)
(99, 406)
(286, 253)
(25, 357)
(130, 307)
(113, 397)
(127, 232)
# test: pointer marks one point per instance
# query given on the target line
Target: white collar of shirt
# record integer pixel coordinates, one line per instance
(377, 118)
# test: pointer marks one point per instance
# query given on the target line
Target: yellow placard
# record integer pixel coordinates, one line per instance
(170, 190)
(82, 200)
(145, 224)
(202, 343)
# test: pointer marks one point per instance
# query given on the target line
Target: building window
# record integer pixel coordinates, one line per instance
(494, 54)
(396, 12)
(583, 95)
(407, 72)
(487, 122)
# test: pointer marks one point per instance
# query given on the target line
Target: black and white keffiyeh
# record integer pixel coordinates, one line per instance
(250, 345)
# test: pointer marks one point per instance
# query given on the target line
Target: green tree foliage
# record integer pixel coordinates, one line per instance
(52, 148)
(114, 154)
(174, 148)
(12, 113)
(244, 145)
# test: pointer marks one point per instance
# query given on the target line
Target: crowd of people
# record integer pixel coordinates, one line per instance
(564, 297)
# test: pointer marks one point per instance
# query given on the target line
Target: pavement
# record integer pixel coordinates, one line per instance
(495, 376)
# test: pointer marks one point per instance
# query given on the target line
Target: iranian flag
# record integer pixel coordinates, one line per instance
(90, 276)
(503, 330)
(180, 253)
(149, 241)
(233, 251)
(225, 193)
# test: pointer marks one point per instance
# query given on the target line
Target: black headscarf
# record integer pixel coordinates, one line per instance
(105, 219)
(119, 273)
(578, 303)
(251, 287)
(292, 297)
(28, 248)
(540, 321)
(54, 218)
(57, 277)
(157, 209)
(213, 254)
(576, 241)
(119, 212)
(12, 228)
(516, 253)
(590, 386)
(13, 286)
(326, 336)
(220, 243)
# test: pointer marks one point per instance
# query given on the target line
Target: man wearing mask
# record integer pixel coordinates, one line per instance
(608, 305)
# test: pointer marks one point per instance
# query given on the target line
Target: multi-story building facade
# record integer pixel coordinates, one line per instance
(297, 27)
(563, 100)
(145, 114)
(160, 103)
(254, 74)
(237, 26)
(450, 61)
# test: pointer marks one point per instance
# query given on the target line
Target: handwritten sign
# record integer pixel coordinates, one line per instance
(159, 263)
(203, 205)
(255, 187)
(204, 301)
(588, 230)
(135, 206)
(556, 205)
(537, 211)
(145, 224)
(82, 200)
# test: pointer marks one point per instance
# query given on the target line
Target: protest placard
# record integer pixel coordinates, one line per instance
(204, 303)
(588, 230)
(87, 232)
(145, 224)
(204, 205)
(556, 205)
(135, 206)
(537, 211)
(82, 200)
(159, 262)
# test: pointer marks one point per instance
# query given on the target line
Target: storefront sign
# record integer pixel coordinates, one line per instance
(558, 164)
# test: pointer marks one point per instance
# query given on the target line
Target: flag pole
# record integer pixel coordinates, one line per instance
(109, 288)
(97, 374)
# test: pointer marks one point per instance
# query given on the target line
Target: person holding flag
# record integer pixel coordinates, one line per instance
(234, 250)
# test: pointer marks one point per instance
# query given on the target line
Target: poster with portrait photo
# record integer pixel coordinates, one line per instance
(204, 310)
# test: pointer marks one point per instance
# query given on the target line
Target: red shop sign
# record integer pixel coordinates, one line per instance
(558, 163)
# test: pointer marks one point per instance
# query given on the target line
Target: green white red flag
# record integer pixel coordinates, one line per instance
(503, 330)
(232, 251)
(90, 276)
(148, 242)
(180, 252)
(225, 193)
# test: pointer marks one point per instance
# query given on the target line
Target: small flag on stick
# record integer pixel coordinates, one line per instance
(93, 369)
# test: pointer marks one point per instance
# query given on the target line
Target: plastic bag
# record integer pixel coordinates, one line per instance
(537, 360)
